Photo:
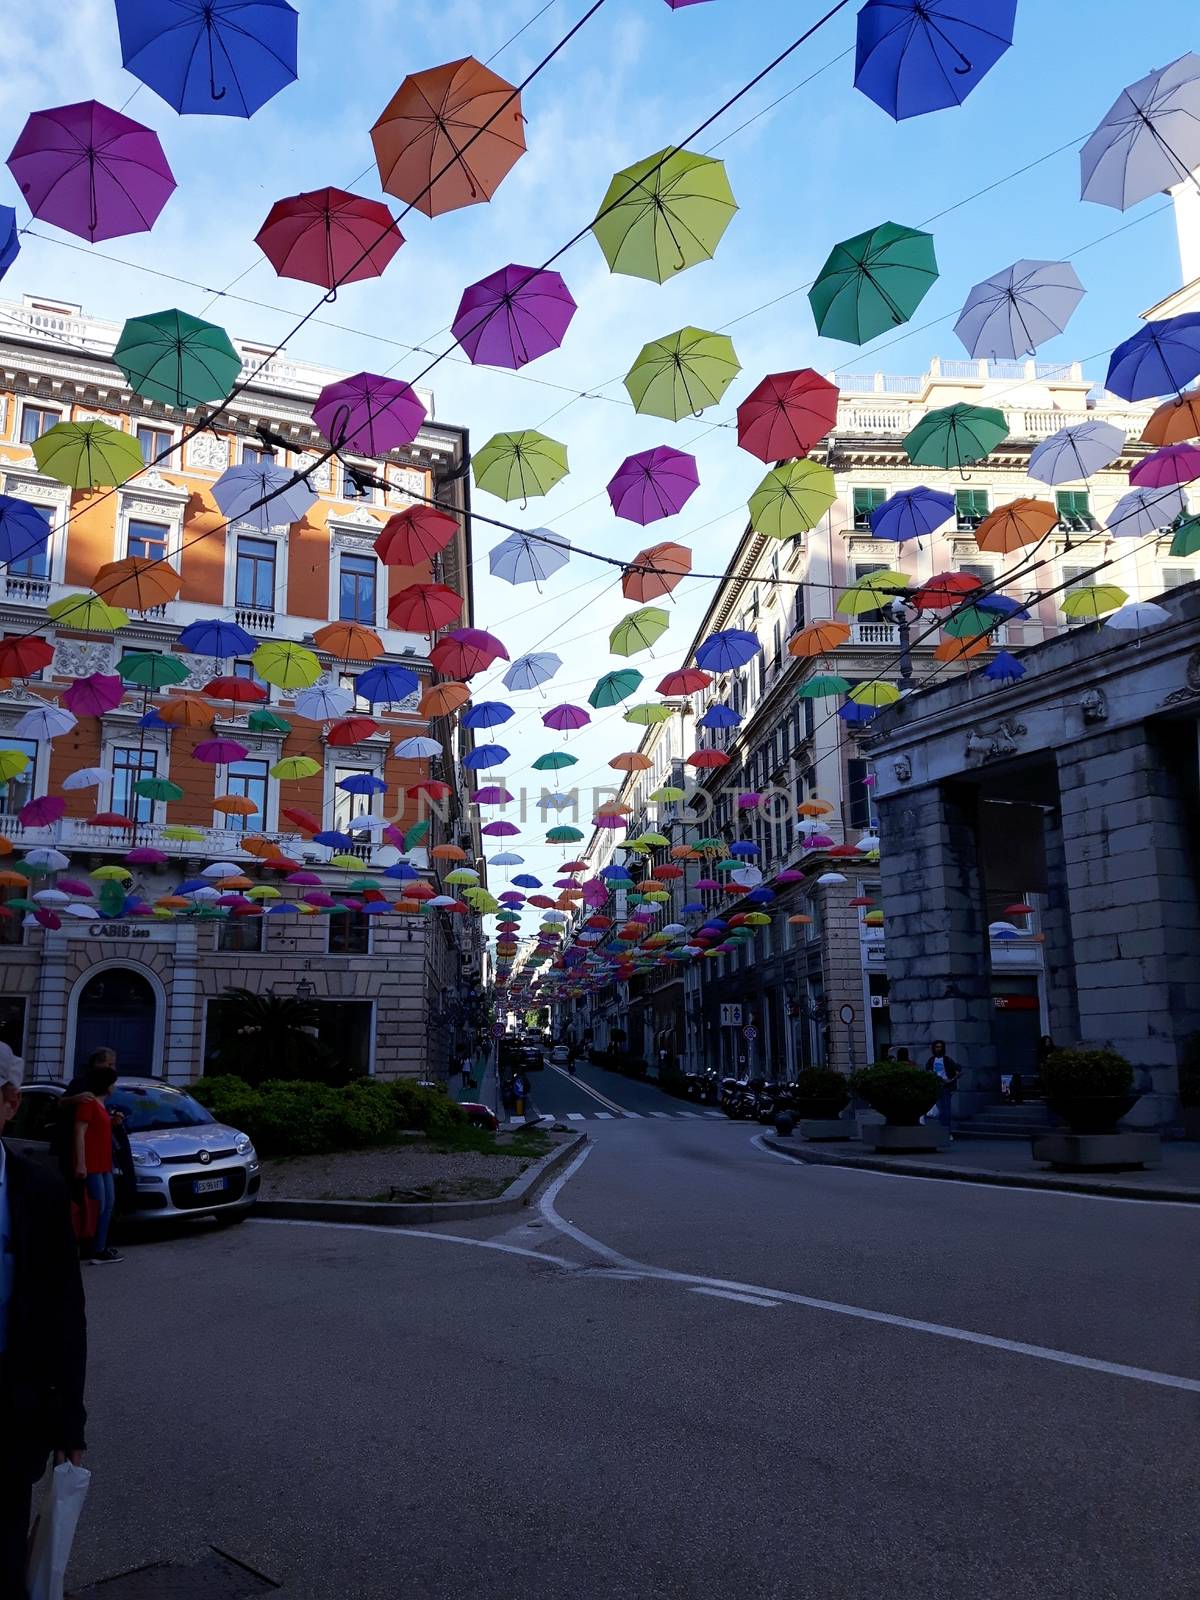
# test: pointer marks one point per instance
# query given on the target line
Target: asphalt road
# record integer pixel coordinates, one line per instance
(695, 1370)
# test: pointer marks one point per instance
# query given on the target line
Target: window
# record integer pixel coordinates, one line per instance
(156, 444)
(254, 582)
(128, 765)
(357, 583)
(349, 934)
(1176, 577)
(37, 420)
(254, 455)
(778, 639)
(242, 935)
(351, 488)
(13, 795)
(798, 616)
(147, 539)
(1077, 577)
(866, 501)
(248, 778)
(971, 506)
(35, 561)
(774, 566)
(858, 794)
(349, 680)
(1074, 510)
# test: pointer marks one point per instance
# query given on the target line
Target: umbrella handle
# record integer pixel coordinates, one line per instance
(214, 92)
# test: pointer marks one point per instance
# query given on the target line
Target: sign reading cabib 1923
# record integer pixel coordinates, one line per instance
(118, 930)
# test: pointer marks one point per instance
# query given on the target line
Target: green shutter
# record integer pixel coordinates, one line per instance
(971, 506)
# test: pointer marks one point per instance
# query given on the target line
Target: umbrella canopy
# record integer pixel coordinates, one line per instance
(320, 703)
(13, 763)
(349, 641)
(243, 690)
(425, 607)
(386, 683)
(653, 484)
(1091, 601)
(150, 671)
(968, 622)
(155, 789)
(529, 557)
(212, 636)
(517, 465)
(911, 514)
(532, 670)
(223, 58)
(286, 665)
(664, 214)
(1175, 422)
(823, 686)
(873, 282)
(1174, 463)
(720, 716)
(414, 536)
(727, 650)
(638, 631)
(449, 136)
(443, 699)
(87, 455)
(484, 756)
(369, 414)
(1003, 668)
(565, 719)
(1146, 511)
(1187, 538)
(487, 714)
(291, 767)
(10, 238)
(1076, 452)
(1138, 614)
(955, 435)
(787, 414)
(94, 695)
(792, 499)
(219, 753)
(176, 358)
(1148, 140)
(614, 687)
(513, 316)
(329, 237)
(554, 761)
(945, 589)
(1013, 312)
(681, 373)
(684, 682)
(91, 170)
(1013, 526)
(465, 651)
(186, 711)
(656, 571)
(87, 612)
(818, 638)
(1158, 358)
(44, 722)
(265, 495)
(915, 56)
(24, 530)
(137, 583)
(353, 730)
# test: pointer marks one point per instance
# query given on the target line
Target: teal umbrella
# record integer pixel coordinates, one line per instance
(955, 435)
(178, 359)
(614, 687)
(824, 686)
(873, 282)
(970, 622)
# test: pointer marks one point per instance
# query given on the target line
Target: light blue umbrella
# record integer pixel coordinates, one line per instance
(1146, 511)
(1010, 314)
(556, 802)
(1073, 454)
(418, 748)
(506, 858)
(1149, 139)
(265, 496)
(529, 557)
(530, 671)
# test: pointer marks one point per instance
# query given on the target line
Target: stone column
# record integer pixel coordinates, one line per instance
(47, 1035)
(182, 1061)
(1062, 1002)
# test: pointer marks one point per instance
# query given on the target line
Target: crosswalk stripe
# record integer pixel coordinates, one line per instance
(692, 1114)
(603, 1116)
(635, 1114)
(661, 1113)
(576, 1116)
(714, 1113)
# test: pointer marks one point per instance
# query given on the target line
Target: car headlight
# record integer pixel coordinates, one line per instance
(147, 1157)
(244, 1147)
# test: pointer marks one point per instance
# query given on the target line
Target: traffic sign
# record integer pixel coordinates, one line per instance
(497, 1030)
(847, 1014)
(731, 1016)
(750, 1033)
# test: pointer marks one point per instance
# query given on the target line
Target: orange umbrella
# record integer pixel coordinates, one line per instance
(420, 891)
(443, 699)
(13, 880)
(173, 902)
(631, 761)
(265, 849)
(1175, 422)
(818, 638)
(1013, 526)
(647, 886)
(656, 571)
(235, 805)
(349, 641)
(448, 852)
(683, 852)
(813, 808)
(237, 881)
(799, 920)
(408, 907)
(449, 136)
(137, 583)
(959, 649)
(614, 808)
(187, 711)
(6, 845)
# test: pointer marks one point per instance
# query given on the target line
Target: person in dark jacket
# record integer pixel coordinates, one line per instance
(949, 1071)
(43, 1334)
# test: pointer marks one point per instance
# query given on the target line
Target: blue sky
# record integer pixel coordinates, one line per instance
(821, 165)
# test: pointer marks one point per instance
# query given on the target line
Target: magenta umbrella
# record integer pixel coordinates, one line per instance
(1175, 463)
(94, 695)
(565, 718)
(92, 171)
(513, 316)
(500, 830)
(75, 887)
(369, 413)
(40, 813)
(492, 794)
(817, 841)
(219, 752)
(144, 856)
(748, 800)
(653, 484)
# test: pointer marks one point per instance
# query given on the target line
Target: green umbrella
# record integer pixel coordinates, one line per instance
(971, 621)
(682, 373)
(564, 835)
(824, 686)
(955, 435)
(664, 214)
(267, 722)
(792, 499)
(638, 631)
(416, 833)
(151, 671)
(157, 789)
(516, 465)
(614, 687)
(173, 357)
(85, 455)
(873, 282)
(647, 715)
(1187, 538)
(553, 760)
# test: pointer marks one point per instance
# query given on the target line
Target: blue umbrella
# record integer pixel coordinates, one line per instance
(334, 839)
(719, 716)
(529, 557)
(192, 885)
(612, 874)
(854, 713)
(151, 719)
(362, 783)
(10, 239)
(916, 56)
(556, 802)
(374, 908)
(212, 637)
(725, 652)
(526, 880)
(220, 58)
(386, 683)
(761, 896)
(911, 514)
(1004, 668)
(487, 714)
(402, 871)
(744, 847)
(1002, 604)
(24, 530)
(530, 671)
(693, 909)
(486, 755)
(1161, 358)
(265, 496)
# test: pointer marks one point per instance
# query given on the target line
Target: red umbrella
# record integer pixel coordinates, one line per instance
(944, 589)
(465, 652)
(351, 730)
(425, 607)
(686, 681)
(110, 819)
(329, 237)
(708, 758)
(234, 689)
(787, 414)
(94, 695)
(302, 819)
(23, 655)
(414, 536)
(434, 788)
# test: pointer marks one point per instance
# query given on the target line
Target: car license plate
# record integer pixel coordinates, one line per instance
(208, 1185)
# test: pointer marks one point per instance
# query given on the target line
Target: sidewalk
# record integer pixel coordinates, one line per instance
(484, 1092)
(1009, 1164)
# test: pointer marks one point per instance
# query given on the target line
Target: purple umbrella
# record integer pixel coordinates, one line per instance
(92, 171)
(218, 752)
(513, 316)
(500, 830)
(492, 794)
(42, 812)
(144, 856)
(94, 695)
(1175, 463)
(369, 414)
(653, 484)
(565, 718)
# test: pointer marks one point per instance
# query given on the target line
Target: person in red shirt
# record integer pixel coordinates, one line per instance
(94, 1156)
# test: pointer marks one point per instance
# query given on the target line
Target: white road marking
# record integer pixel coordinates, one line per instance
(587, 1089)
(687, 1114)
(415, 1233)
(636, 1115)
(988, 1341)
(602, 1116)
(658, 1113)
(742, 1299)
(575, 1116)
(720, 1114)
(792, 1161)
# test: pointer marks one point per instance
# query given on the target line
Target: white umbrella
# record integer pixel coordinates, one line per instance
(868, 842)
(205, 894)
(51, 897)
(78, 909)
(1136, 614)
(365, 823)
(323, 703)
(506, 858)
(748, 877)
(531, 671)
(44, 856)
(1074, 453)
(222, 869)
(1146, 511)
(673, 927)
(529, 557)
(47, 722)
(86, 778)
(1011, 313)
(417, 748)
(832, 877)
(440, 900)
(1149, 139)
(239, 490)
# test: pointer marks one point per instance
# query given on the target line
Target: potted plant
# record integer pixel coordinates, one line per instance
(819, 1096)
(902, 1093)
(1091, 1090)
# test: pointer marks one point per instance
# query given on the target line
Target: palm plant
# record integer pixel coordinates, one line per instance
(270, 1036)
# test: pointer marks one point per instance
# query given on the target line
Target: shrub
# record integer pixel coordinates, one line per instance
(901, 1092)
(824, 1087)
(290, 1117)
(1073, 1073)
(429, 1110)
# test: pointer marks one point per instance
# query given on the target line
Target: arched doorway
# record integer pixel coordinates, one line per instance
(117, 1008)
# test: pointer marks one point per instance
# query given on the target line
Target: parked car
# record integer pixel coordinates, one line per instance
(186, 1164)
(559, 1056)
(532, 1058)
(481, 1116)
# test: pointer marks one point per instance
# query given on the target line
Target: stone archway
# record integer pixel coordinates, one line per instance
(120, 1007)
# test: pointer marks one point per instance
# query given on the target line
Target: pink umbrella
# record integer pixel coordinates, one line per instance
(93, 696)
(817, 841)
(492, 794)
(92, 171)
(463, 652)
(144, 856)
(369, 414)
(653, 484)
(219, 752)
(76, 888)
(40, 813)
(1174, 463)
(513, 316)
(500, 830)
(565, 718)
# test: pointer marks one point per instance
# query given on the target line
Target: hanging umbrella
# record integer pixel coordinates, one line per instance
(1074, 453)
(664, 214)
(1174, 463)
(91, 170)
(484, 756)
(818, 638)
(955, 435)
(265, 496)
(944, 589)
(292, 767)
(349, 641)
(1187, 537)
(916, 56)
(465, 651)
(653, 484)
(968, 622)
(1136, 615)
(1013, 312)
(1003, 668)
(186, 711)
(44, 722)
(648, 715)
(701, 759)
(417, 748)
(414, 536)
(137, 583)
(87, 455)
(554, 761)
(222, 58)
(94, 695)
(823, 686)
(363, 783)
(321, 703)
(873, 282)
(532, 670)
(656, 571)
(1015, 525)
(529, 557)
(1146, 511)
(792, 499)
(86, 778)
(487, 714)
(13, 763)
(10, 238)
(159, 789)
(43, 812)
(728, 650)
(424, 607)
(443, 699)
(219, 753)
(385, 683)
(688, 680)
(212, 636)
(449, 136)
(369, 414)
(518, 465)
(911, 514)
(614, 687)
(1176, 421)
(243, 690)
(1148, 140)
(287, 666)
(500, 830)
(513, 316)
(681, 373)
(719, 716)
(1158, 358)
(24, 530)
(787, 414)
(329, 237)
(1091, 601)
(638, 631)
(151, 671)
(176, 358)
(87, 612)
(565, 719)
(353, 730)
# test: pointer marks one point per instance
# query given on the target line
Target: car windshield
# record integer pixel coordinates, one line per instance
(150, 1106)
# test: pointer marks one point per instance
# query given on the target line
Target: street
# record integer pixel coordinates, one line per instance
(694, 1367)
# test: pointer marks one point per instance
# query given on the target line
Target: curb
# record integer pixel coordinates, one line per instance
(396, 1213)
(1118, 1190)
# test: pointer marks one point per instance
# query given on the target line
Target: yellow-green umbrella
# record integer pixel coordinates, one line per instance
(647, 715)
(1092, 601)
(667, 794)
(182, 833)
(638, 631)
(112, 874)
(858, 600)
(86, 455)
(656, 841)
(885, 579)
(12, 764)
(87, 612)
(287, 666)
(345, 860)
(296, 767)
(664, 214)
(792, 499)
(263, 891)
(875, 694)
(681, 373)
(514, 466)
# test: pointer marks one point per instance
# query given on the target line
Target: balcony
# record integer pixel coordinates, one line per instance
(27, 591)
(76, 833)
(876, 633)
(254, 619)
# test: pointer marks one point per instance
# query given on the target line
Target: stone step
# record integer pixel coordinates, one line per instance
(1006, 1131)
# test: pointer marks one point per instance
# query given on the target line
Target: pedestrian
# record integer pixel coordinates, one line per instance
(43, 1334)
(467, 1067)
(1045, 1049)
(93, 1157)
(949, 1071)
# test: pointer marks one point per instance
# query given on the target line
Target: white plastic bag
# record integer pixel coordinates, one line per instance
(54, 1532)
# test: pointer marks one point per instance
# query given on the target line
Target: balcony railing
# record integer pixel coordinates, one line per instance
(876, 633)
(76, 833)
(29, 591)
(254, 619)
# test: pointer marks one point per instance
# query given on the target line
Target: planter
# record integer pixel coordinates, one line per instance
(1074, 1152)
(785, 1121)
(824, 1109)
(827, 1128)
(1093, 1113)
(894, 1137)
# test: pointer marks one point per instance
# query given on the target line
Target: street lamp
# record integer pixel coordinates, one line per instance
(305, 990)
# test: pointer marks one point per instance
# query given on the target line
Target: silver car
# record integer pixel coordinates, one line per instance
(185, 1163)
